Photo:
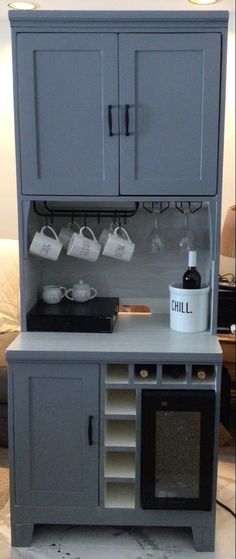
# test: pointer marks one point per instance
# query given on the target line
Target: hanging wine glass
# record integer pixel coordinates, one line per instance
(186, 242)
(155, 240)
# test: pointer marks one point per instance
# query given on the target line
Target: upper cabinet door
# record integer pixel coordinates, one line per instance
(66, 83)
(171, 83)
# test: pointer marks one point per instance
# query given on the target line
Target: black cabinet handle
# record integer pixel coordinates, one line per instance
(110, 120)
(127, 120)
(90, 430)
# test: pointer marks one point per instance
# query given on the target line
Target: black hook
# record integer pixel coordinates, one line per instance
(196, 209)
(163, 208)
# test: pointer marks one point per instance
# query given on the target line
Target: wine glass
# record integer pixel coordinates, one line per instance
(186, 242)
(154, 240)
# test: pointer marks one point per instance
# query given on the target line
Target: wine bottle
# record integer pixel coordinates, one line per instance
(201, 374)
(144, 373)
(192, 278)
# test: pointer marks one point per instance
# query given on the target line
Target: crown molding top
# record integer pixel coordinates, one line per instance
(111, 19)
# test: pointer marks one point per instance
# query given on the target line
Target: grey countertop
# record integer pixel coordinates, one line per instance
(134, 338)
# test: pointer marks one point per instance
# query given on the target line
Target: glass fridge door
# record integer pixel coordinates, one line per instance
(177, 449)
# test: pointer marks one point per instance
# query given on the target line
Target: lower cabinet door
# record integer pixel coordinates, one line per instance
(56, 433)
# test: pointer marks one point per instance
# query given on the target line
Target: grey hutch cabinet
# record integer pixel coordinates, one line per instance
(110, 108)
(111, 114)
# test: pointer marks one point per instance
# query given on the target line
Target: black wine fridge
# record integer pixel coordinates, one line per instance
(177, 449)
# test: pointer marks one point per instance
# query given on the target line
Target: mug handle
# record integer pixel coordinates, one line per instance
(73, 223)
(67, 294)
(90, 230)
(124, 231)
(52, 230)
(63, 289)
(95, 292)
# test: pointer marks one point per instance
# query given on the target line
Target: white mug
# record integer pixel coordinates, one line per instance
(67, 232)
(117, 246)
(81, 292)
(45, 246)
(53, 294)
(84, 247)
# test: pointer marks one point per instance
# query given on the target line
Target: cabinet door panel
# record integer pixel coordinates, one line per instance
(66, 82)
(171, 83)
(53, 460)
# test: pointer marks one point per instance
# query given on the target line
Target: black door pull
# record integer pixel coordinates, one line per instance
(127, 120)
(90, 430)
(110, 120)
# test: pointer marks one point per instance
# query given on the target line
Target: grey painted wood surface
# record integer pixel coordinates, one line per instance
(47, 448)
(66, 83)
(171, 83)
(50, 19)
(133, 338)
(54, 463)
(172, 86)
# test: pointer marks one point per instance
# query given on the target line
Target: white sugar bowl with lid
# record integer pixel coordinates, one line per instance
(81, 292)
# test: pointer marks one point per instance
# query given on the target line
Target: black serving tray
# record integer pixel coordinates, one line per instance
(96, 315)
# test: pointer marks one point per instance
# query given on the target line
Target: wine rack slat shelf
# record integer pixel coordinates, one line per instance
(120, 433)
(120, 402)
(120, 465)
(120, 495)
(117, 373)
(119, 437)
(120, 376)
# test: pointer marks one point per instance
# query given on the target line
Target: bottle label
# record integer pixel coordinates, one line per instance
(180, 307)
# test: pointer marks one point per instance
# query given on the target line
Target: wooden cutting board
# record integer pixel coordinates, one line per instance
(134, 309)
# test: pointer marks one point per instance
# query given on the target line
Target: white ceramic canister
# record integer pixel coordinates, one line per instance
(81, 292)
(189, 309)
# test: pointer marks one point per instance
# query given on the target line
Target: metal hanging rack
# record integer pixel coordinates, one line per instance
(191, 207)
(188, 206)
(160, 206)
(116, 215)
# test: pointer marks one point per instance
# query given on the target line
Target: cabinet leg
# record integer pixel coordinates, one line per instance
(203, 538)
(21, 535)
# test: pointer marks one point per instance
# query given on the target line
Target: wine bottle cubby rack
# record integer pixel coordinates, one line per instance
(122, 385)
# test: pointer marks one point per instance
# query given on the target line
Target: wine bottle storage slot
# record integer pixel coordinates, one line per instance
(117, 373)
(152, 374)
(119, 465)
(145, 373)
(120, 433)
(203, 374)
(174, 373)
(120, 402)
(120, 495)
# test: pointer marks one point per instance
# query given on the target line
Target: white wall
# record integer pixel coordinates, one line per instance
(8, 213)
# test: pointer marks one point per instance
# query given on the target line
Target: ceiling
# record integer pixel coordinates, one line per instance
(121, 5)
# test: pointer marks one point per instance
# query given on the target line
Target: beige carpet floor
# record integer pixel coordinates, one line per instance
(4, 477)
